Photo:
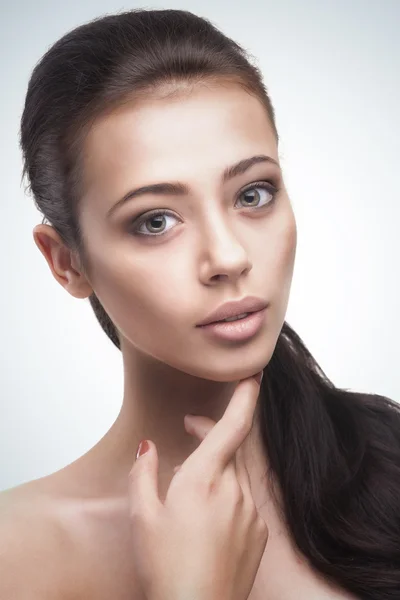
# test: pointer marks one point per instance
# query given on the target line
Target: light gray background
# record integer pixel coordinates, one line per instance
(332, 69)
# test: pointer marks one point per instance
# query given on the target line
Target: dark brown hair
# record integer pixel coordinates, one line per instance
(334, 453)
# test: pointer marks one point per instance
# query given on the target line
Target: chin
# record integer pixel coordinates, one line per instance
(236, 374)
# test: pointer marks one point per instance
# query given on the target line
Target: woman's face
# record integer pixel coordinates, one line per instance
(159, 276)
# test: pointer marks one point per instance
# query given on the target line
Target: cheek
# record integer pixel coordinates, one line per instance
(281, 256)
(149, 296)
(289, 245)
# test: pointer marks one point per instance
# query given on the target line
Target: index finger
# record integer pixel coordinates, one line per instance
(221, 443)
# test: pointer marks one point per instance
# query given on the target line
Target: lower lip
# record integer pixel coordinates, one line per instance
(239, 330)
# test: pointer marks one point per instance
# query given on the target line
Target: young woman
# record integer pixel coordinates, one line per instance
(151, 148)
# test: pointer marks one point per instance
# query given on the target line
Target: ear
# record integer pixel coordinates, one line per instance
(62, 261)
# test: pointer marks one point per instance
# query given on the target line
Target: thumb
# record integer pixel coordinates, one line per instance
(143, 482)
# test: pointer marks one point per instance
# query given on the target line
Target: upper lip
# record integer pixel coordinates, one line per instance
(235, 308)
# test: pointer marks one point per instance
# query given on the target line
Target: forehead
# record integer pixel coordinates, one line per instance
(186, 136)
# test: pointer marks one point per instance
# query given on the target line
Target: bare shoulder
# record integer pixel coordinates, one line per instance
(33, 545)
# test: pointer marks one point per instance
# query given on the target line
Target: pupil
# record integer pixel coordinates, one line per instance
(255, 195)
(156, 218)
(159, 218)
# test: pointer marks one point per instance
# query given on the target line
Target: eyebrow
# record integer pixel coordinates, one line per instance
(180, 189)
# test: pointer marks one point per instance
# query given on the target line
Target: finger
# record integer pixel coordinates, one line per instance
(221, 443)
(143, 484)
(242, 473)
(200, 426)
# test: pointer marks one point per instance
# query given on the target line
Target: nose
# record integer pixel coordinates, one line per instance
(223, 255)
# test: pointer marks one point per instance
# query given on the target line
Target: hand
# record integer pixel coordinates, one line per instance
(206, 541)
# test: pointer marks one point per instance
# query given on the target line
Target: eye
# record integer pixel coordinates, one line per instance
(268, 190)
(156, 218)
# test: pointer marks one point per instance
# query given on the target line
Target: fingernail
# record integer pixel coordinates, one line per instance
(142, 448)
(188, 421)
(189, 418)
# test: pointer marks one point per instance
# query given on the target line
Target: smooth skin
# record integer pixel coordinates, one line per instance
(218, 243)
(207, 557)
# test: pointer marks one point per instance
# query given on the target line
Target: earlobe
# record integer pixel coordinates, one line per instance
(60, 261)
(76, 283)
(80, 289)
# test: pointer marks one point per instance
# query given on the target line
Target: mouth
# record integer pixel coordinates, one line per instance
(230, 319)
(236, 329)
(235, 310)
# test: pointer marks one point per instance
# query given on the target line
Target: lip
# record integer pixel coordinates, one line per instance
(249, 304)
(236, 331)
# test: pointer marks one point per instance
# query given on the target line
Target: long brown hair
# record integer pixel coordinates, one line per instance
(334, 453)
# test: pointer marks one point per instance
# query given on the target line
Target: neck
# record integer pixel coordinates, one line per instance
(156, 399)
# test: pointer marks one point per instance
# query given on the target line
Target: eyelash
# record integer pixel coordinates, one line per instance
(266, 185)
